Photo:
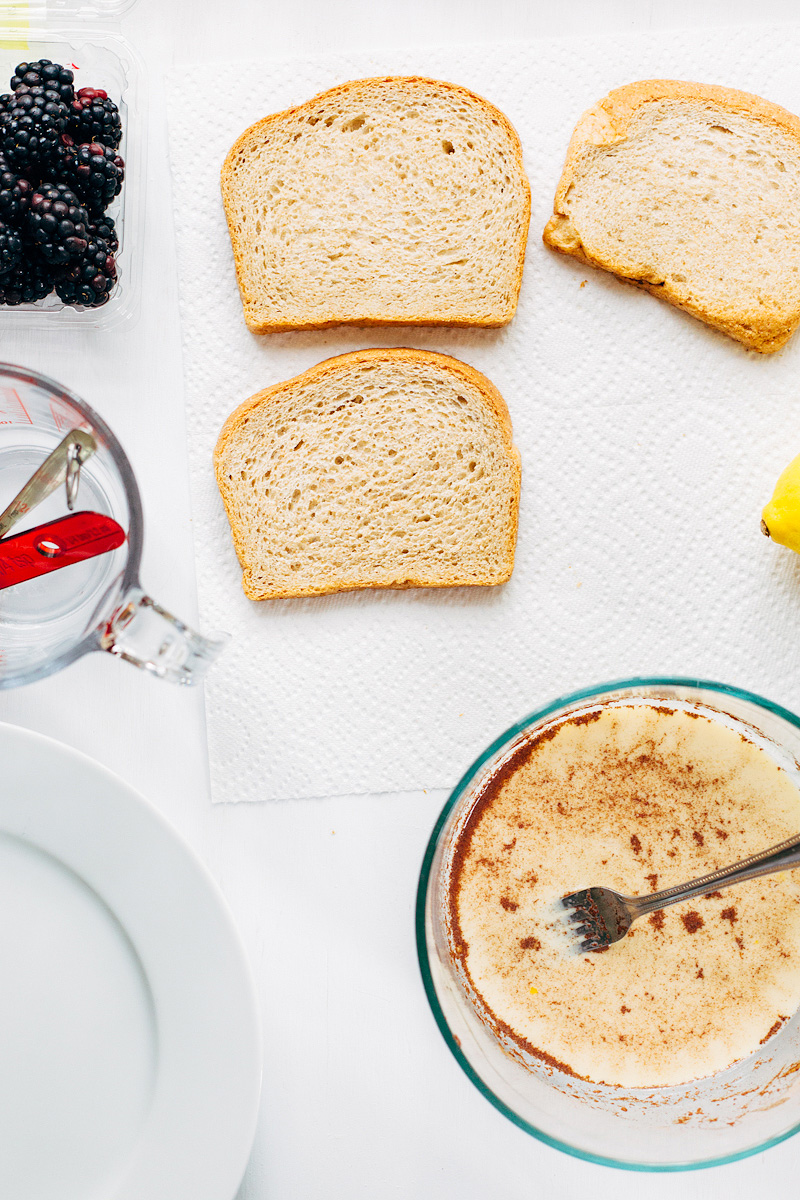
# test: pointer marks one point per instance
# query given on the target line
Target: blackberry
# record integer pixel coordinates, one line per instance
(59, 161)
(90, 278)
(57, 224)
(10, 247)
(94, 171)
(45, 74)
(31, 122)
(104, 228)
(15, 195)
(95, 118)
(26, 283)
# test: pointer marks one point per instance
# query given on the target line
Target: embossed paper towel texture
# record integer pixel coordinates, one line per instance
(649, 444)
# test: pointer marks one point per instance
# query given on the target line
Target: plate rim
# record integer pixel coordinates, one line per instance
(227, 1011)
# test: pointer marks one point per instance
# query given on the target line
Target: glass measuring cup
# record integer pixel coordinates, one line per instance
(48, 622)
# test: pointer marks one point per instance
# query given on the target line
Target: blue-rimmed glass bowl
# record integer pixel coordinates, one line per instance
(740, 1111)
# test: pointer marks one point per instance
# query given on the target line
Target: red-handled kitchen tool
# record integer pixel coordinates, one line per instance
(57, 544)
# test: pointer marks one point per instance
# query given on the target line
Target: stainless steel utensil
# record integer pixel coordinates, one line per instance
(602, 916)
(62, 466)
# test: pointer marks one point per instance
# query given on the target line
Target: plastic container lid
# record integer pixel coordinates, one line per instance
(44, 10)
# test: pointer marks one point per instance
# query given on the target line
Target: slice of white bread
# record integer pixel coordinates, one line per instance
(382, 201)
(693, 192)
(376, 469)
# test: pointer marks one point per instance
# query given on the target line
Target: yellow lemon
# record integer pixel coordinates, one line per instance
(780, 519)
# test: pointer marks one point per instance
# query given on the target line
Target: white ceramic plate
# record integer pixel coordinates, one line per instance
(130, 1057)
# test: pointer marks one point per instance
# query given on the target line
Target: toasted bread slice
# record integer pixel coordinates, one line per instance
(693, 192)
(377, 469)
(382, 201)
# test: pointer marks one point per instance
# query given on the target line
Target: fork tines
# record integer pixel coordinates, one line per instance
(584, 914)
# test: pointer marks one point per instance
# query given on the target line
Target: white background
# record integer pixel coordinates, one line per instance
(361, 1097)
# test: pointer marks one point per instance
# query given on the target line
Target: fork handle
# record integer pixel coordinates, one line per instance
(777, 858)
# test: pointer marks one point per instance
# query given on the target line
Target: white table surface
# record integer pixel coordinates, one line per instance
(362, 1100)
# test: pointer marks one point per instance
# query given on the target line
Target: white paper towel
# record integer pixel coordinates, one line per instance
(649, 445)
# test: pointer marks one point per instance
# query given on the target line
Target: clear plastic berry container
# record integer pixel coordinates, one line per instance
(86, 38)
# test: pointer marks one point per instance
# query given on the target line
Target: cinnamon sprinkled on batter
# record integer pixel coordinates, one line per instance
(601, 798)
(773, 1030)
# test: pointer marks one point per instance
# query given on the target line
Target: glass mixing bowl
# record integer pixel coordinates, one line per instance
(745, 1109)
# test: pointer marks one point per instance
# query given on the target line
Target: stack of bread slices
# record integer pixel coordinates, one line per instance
(404, 201)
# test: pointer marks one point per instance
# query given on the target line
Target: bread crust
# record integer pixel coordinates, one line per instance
(606, 123)
(352, 89)
(318, 373)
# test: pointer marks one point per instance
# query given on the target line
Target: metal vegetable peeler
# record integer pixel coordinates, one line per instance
(62, 466)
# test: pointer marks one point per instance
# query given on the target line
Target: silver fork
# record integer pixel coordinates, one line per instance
(603, 916)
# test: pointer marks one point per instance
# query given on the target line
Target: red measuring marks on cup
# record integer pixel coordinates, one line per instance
(12, 410)
(64, 418)
(57, 544)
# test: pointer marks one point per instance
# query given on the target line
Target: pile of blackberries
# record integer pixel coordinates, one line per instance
(59, 171)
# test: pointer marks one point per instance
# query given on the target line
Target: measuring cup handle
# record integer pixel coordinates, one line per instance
(141, 632)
